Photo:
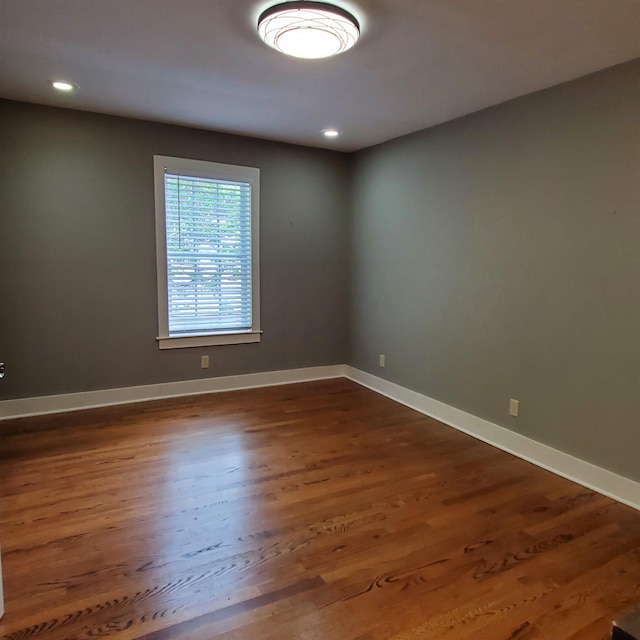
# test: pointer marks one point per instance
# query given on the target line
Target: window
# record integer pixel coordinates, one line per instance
(207, 218)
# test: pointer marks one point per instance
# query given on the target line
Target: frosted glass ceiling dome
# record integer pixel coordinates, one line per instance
(306, 29)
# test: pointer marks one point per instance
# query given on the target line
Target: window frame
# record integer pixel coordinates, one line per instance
(213, 171)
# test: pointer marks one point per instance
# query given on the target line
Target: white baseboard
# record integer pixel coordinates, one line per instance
(24, 407)
(584, 473)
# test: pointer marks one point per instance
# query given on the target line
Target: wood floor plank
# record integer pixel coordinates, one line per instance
(317, 511)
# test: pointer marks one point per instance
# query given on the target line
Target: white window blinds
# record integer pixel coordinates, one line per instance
(209, 261)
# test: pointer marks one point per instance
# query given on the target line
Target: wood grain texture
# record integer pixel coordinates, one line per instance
(317, 511)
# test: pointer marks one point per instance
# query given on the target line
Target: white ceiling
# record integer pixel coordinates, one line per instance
(200, 63)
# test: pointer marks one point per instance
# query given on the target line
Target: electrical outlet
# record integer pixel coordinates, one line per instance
(514, 408)
(382, 360)
(204, 362)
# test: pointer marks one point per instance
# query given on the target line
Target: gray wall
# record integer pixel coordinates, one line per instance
(77, 258)
(498, 256)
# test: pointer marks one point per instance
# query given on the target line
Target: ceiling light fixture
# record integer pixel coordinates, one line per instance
(63, 85)
(331, 133)
(306, 29)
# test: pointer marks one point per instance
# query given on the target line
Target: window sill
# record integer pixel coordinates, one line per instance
(209, 340)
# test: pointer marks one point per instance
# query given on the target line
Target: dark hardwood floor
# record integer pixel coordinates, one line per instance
(318, 511)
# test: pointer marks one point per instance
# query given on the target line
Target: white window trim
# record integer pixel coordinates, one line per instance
(216, 171)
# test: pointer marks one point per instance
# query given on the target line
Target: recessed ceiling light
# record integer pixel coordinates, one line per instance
(331, 133)
(63, 85)
(306, 29)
